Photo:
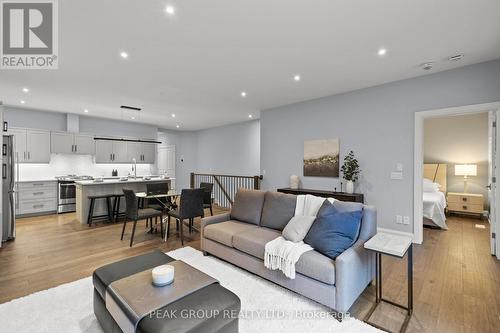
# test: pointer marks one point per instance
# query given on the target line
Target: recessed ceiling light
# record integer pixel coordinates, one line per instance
(177, 126)
(243, 94)
(26, 90)
(250, 116)
(86, 111)
(173, 115)
(170, 10)
(124, 55)
(296, 78)
(382, 52)
(132, 118)
(22, 102)
(427, 66)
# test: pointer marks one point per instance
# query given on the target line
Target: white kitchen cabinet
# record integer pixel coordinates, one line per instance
(19, 144)
(84, 144)
(149, 153)
(143, 152)
(134, 150)
(108, 151)
(31, 146)
(38, 146)
(36, 197)
(61, 143)
(70, 143)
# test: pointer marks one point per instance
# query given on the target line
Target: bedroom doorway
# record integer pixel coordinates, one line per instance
(455, 173)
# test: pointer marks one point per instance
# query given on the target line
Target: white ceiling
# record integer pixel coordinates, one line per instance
(196, 63)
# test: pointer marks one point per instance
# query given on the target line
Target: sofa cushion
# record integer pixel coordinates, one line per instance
(316, 266)
(253, 241)
(278, 209)
(225, 231)
(297, 228)
(247, 206)
(311, 264)
(335, 229)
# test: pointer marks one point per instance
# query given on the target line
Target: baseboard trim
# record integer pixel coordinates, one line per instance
(396, 232)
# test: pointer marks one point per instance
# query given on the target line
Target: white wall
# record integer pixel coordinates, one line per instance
(52, 121)
(459, 140)
(378, 124)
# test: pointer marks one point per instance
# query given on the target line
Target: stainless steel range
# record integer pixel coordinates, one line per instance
(66, 192)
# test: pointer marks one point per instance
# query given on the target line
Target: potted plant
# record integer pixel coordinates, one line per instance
(350, 170)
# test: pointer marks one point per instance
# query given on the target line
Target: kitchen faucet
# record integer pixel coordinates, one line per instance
(134, 167)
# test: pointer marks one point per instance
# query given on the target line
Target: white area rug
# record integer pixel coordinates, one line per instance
(266, 307)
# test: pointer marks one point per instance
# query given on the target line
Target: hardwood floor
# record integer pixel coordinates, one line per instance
(456, 280)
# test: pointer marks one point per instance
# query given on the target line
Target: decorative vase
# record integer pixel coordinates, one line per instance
(294, 182)
(349, 187)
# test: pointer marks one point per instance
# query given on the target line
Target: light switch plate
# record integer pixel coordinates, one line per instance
(399, 219)
(396, 175)
(406, 220)
(399, 167)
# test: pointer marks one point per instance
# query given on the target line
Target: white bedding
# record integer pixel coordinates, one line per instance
(434, 205)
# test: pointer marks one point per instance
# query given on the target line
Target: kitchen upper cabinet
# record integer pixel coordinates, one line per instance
(61, 143)
(107, 151)
(19, 144)
(31, 146)
(134, 150)
(69, 143)
(149, 153)
(103, 151)
(84, 144)
(38, 146)
(143, 152)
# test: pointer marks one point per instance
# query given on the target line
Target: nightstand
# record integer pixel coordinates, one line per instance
(466, 203)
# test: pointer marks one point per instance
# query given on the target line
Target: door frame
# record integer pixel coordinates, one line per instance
(418, 162)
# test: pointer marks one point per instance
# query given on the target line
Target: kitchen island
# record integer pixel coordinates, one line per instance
(86, 188)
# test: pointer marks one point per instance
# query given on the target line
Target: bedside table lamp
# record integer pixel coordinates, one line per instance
(465, 170)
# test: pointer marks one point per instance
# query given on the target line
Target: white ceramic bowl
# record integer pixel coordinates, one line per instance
(163, 275)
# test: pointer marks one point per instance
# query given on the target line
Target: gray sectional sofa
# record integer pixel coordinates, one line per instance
(258, 217)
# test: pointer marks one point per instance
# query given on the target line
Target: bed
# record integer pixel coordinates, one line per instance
(434, 195)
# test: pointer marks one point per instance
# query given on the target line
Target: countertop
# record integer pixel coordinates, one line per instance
(118, 181)
(35, 180)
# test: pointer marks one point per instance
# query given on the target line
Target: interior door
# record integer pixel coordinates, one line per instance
(166, 162)
(84, 144)
(492, 170)
(38, 146)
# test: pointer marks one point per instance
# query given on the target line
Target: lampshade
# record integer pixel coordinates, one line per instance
(465, 170)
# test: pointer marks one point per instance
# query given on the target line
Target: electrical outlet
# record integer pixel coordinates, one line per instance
(406, 220)
(399, 219)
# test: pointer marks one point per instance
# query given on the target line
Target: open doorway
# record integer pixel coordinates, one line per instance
(455, 159)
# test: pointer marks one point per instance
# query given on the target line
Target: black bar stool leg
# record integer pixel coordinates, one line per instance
(110, 211)
(91, 212)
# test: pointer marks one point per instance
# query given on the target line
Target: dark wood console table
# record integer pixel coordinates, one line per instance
(342, 196)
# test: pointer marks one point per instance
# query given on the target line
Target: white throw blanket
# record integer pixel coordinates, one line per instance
(283, 254)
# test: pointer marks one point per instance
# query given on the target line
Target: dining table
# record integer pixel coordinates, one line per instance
(172, 195)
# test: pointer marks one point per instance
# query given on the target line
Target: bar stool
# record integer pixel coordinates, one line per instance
(91, 217)
(116, 207)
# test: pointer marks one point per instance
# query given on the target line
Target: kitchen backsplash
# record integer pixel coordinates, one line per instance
(80, 165)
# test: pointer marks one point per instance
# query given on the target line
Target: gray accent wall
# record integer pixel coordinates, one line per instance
(232, 149)
(378, 124)
(459, 140)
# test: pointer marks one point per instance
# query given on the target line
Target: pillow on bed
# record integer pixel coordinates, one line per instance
(429, 186)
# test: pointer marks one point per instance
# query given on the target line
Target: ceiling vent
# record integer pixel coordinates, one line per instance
(128, 107)
(456, 57)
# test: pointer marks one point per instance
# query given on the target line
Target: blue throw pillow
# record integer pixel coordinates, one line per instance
(336, 228)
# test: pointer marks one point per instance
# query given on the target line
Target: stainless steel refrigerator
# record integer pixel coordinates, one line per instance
(8, 183)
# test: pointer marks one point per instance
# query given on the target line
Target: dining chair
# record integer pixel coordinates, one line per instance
(207, 196)
(190, 207)
(155, 189)
(133, 213)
